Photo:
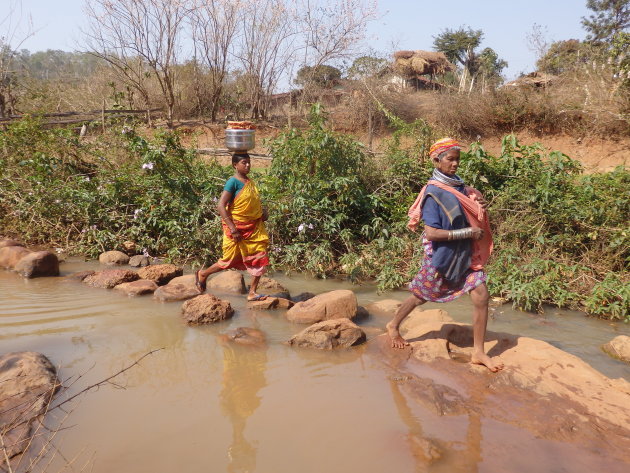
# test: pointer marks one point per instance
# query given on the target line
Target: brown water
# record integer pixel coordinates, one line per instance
(199, 405)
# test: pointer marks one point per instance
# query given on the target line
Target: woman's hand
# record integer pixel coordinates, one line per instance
(477, 233)
(236, 235)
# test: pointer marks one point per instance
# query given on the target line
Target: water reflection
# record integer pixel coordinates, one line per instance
(243, 377)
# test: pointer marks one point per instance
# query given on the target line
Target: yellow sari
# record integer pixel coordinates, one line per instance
(251, 252)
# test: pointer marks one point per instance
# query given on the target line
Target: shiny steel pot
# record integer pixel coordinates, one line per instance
(239, 140)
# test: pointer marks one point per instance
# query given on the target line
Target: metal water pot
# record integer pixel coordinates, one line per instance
(239, 140)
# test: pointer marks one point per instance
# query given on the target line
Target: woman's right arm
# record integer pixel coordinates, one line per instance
(224, 200)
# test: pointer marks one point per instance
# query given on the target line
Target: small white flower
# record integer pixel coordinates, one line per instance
(301, 228)
(310, 226)
(57, 201)
(87, 178)
(215, 200)
(136, 213)
(148, 166)
(93, 227)
(145, 252)
(59, 250)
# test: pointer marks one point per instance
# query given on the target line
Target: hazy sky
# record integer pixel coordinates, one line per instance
(405, 24)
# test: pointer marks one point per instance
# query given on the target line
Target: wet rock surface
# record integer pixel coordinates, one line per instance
(329, 334)
(38, 264)
(10, 255)
(543, 390)
(139, 261)
(188, 279)
(110, 278)
(160, 274)
(246, 336)
(113, 257)
(326, 306)
(28, 382)
(271, 286)
(172, 292)
(137, 288)
(80, 275)
(227, 281)
(206, 309)
(619, 347)
(303, 296)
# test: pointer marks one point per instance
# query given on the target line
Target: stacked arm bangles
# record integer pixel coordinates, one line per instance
(460, 234)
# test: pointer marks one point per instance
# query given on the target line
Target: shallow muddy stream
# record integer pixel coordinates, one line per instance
(201, 405)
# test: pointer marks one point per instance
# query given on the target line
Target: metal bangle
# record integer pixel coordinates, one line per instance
(460, 234)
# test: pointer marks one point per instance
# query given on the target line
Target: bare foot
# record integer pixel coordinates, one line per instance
(394, 335)
(485, 360)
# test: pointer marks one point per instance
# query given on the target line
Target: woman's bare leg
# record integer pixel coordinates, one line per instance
(252, 289)
(203, 274)
(480, 298)
(393, 326)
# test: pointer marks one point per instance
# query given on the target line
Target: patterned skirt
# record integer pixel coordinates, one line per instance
(430, 286)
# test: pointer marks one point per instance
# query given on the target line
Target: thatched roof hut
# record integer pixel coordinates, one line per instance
(411, 64)
(534, 79)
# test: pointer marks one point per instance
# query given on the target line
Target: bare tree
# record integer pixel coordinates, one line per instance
(214, 26)
(331, 31)
(12, 36)
(266, 48)
(139, 39)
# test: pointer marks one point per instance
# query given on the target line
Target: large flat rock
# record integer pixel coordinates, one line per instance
(544, 392)
(329, 305)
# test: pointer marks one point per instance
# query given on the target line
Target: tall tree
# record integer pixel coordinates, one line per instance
(609, 18)
(139, 38)
(266, 48)
(214, 27)
(13, 34)
(459, 47)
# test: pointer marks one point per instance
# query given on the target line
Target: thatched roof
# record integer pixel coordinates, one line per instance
(535, 79)
(411, 64)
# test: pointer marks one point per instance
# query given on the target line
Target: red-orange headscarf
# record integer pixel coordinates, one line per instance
(441, 146)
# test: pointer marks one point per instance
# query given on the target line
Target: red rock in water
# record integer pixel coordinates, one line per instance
(110, 278)
(113, 257)
(329, 334)
(160, 273)
(38, 264)
(326, 306)
(206, 309)
(228, 281)
(175, 292)
(137, 288)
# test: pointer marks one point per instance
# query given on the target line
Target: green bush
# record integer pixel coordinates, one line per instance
(561, 237)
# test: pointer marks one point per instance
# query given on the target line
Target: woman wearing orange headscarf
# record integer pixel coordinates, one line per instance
(245, 239)
(457, 244)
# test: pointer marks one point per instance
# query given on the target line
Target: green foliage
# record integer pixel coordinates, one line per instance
(322, 76)
(560, 237)
(609, 18)
(94, 197)
(563, 56)
(367, 66)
